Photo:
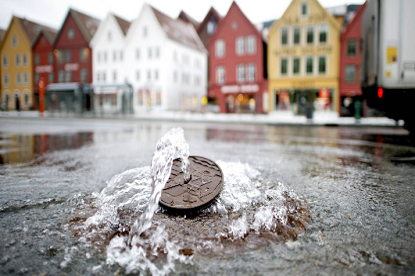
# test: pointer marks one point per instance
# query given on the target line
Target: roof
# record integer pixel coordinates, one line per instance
(2, 33)
(211, 11)
(187, 18)
(87, 24)
(351, 23)
(178, 30)
(124, 24)
(32, 29)
(49, 34)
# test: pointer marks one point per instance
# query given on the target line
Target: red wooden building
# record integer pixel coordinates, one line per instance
(43, 60)
(237, 60)
(73, 56)
(350, 57)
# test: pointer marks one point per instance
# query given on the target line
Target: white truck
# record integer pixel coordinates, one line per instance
(387, 73)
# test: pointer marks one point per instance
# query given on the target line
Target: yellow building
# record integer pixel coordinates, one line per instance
(17, 64)
(303, 59)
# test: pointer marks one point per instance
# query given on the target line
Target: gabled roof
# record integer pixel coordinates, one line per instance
(31, 29)
(178, 30)
(187, 18)
(49, 34)
(86, 24)
(213, 12)
(124, 24)
(354, 20)
(222, 22)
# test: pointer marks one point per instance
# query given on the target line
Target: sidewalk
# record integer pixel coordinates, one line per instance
(276, 118)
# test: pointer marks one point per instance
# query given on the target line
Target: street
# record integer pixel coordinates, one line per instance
(358, 182)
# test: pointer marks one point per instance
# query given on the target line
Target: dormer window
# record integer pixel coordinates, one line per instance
(304, 9)
(211, 26)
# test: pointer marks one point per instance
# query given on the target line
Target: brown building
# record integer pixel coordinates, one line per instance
(187, 18)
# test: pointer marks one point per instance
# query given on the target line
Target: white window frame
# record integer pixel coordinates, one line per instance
(318, 65)
(287, 73)
(220, 48)
(346, 80)
(288, 36)
(5, 58)
(299, 42)
(312, 66)
(240, 45)
(220, 74)
(17, 60)
(71, 33)
(25, 60)
(320, 27)
(114, 76)
(211, 27)
(6, 76)
(306, 34)
(25, 78)
(251, 41)
(240, 73)
(14, 41)
(299, 66)
(301, 9)
(18, 79)
(251, 68)
(137, 54)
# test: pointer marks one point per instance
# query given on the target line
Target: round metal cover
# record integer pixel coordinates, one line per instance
(206, 181)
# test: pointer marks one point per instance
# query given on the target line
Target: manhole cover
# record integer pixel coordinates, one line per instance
(206, 181)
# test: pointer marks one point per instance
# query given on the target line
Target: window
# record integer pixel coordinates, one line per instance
(25, 78)
(83, 75)
(17, 60)
(322, 65)
(149, 53)
(350, 73)
(297, 35)
(24, 59)
(6, 79)
(310, 34)
(351, 46)
(105, 56)
(145, 31)
(51, 78)
(26, 98)
(234, 26)
(149, 75)
(241, 73)
(83, 54)
(250, 41)
(211, 27)
(60, 56)
(323, 33)
(240, 46)
(104, 76)
(71, 33)
(37, 78)
(121, 55)
(284, 66)
(5, 61)
(284, 36)
(296, 66)
(114, 56)
(251, 72)
(14, 41)
(220, 75)
(50, 58)
(68, 55)
(157, 52)
(18, 80)
(61, 76)
(114, 76)
(219, 48)
(156, 74)
(137, 75)
(309, 65)
(304, 9)
(98, 76)
(68, 76)
(109, 36)
(137, 54)
(37, 59)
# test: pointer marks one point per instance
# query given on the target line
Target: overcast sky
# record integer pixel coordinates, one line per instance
(52, 12)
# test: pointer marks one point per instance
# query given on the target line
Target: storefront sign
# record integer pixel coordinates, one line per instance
(304, 51)
(303, 84)
(44, 69)
(71, 67)
(313, 18)
(249, 88)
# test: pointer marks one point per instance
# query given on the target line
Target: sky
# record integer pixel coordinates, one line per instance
(53, 12)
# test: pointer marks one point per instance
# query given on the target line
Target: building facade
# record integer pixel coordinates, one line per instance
(303, 59)
(350, 58)
(2, 33)
(165, 63)
(43, 61)
(111, 91)
(237, 59)
(17, 64)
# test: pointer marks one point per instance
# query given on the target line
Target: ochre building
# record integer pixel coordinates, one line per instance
(303, 59)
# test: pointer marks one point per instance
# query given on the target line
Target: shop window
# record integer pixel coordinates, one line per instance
(68, 55)
(220, 75)
(251, 72)
(350, 73)
(241, 73)
(322, 65)
(284, 66)
(24, 59)
(18, 79)
(68, 76)
(61, 76)
(25, 78)
(17, 60)
(310, 34)
(50, 58)
(296, 66)
(51, 78)
(297, 35)
(323, 33)
(240, 46)
(14, 41)
(71, 33)
(6, 79)
(284, 36)
(5, 61)
(304, 9)
(137, 75)
(137, 54)
(220, 48)
(37, 59)
(309, 65)
(351, 46)
(250, 44)
(37, 78)
(211, 27)
(83, 75)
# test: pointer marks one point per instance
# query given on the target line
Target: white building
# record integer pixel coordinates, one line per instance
(166, 63)
(112, 93)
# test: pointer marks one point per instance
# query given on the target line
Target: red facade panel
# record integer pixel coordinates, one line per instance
(73, 56)
(237, 93)
(43, 61)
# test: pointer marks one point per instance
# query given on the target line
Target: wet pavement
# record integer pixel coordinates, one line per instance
(358, 182)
